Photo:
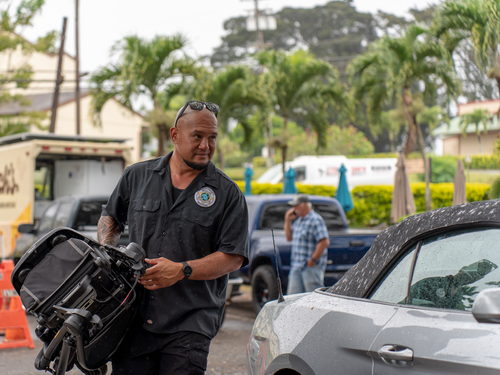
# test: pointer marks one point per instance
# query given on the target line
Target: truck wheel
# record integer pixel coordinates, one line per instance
(264, 286)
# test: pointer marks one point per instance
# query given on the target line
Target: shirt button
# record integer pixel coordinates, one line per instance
(159, 254)
(163, 233)
(149, 321)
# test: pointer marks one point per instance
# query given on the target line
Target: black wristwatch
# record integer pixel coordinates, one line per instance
(186, 268)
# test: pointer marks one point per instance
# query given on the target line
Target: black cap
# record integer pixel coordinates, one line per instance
(298, 200)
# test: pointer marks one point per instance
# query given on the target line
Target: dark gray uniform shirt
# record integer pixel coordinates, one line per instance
(210, 215)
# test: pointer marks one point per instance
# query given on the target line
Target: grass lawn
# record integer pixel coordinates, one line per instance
(484, 176)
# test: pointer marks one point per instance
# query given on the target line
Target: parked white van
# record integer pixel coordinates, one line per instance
(324, 170)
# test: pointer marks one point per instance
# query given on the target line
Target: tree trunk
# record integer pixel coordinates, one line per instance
(161, 144)
(268, 134)
(284, 146)
(498, 86)
(410, 121)
(415, 131)
(427, 169)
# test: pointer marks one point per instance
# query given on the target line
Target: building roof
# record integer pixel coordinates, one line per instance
(20, 137)
(454, 127)
(39, 102)
(492, 106)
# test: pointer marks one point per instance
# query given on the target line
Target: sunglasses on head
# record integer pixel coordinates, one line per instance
(196, 105)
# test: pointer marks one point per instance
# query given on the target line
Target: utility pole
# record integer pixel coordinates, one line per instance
(77, 67)
(260, 35)
(59, 79)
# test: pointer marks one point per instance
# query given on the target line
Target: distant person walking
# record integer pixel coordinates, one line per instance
(307, 231)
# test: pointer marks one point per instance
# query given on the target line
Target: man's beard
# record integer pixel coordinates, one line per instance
(197, 166)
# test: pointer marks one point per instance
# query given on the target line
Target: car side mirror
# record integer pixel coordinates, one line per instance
(26, 228)
(486, 307)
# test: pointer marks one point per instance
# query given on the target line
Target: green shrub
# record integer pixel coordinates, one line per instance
(484, 162)
(495, 189)
(443, 168)
(325, 190)
(372, 204)
(259, 162)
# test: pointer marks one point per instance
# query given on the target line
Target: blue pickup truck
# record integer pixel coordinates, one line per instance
(266, 212)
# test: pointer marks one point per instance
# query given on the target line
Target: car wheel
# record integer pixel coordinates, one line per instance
(264, 286)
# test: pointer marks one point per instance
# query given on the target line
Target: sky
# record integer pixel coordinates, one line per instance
(103, 22)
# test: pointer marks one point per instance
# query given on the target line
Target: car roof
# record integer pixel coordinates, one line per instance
(284, 197)
(358, 281)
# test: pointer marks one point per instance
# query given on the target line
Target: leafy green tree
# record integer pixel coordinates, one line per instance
(303, 88)
(334, 32)
(394, 71)
(477, 21)
(234, 90)
(14, 16)
(144, 69)
(480, 119)
(339, 141)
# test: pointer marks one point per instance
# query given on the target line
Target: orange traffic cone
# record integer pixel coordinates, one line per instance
(12, 334)
(13, 320)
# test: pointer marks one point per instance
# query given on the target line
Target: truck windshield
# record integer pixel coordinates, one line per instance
(274, 214)
(44, 177)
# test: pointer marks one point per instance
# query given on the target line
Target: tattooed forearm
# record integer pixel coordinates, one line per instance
(108, 231)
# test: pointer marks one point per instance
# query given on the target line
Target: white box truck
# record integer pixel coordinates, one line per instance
(35, 169)
(324, 170)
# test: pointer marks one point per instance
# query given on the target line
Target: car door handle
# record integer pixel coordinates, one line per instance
(356, 243)
(396, 355)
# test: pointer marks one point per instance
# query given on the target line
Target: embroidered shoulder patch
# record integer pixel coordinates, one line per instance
(205, 197)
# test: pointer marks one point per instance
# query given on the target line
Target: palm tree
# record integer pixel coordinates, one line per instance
(478, 118)
(234, 90)
(478, 21)
(303, 87)
(144, 69)
(394, 72)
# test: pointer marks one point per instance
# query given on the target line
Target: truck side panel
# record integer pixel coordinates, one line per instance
(17, 165)
(86, 177)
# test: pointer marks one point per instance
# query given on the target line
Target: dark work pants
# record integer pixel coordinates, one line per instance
(181, 353)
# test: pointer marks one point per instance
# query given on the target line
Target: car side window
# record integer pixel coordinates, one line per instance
(273, 216)
(452, 268)
(88, 214)
(47, 220)
(394, 287)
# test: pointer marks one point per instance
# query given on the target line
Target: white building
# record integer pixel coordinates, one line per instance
(117, 120)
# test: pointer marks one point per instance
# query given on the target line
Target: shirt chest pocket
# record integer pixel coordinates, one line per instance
(146, 215)
(198, 232)
(204, 220)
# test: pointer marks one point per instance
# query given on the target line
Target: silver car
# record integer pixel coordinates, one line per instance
(423, 300)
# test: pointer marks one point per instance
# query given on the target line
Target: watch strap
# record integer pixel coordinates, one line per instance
(187, 270)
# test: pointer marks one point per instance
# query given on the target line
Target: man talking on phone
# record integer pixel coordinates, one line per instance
(307, 231)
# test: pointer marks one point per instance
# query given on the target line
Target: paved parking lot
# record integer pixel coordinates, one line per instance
(227, 352)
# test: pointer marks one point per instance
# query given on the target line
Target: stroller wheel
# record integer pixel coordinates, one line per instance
(41, 363)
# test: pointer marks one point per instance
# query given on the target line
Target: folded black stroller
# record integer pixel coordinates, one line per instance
(83, 295)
